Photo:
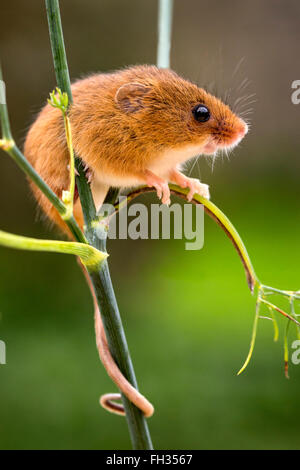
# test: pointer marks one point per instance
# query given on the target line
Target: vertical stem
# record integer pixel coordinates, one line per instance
(58, 48)
(6, 132)
(63, 82)
(138, 428)
(164, 33)
(137, 424)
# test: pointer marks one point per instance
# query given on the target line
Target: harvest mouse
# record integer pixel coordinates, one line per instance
(131, 127)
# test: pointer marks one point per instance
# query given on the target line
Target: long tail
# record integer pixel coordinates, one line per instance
(108, 401)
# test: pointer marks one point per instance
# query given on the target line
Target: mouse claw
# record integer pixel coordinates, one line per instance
(75, 171)
(198, 188)
(89, 175)
(161, 186)
(165, 199)
(163, 192)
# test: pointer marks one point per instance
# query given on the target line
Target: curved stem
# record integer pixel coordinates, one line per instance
(218, 216)
(253, 337)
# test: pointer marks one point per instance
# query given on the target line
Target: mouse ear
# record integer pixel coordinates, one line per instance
(130, 97)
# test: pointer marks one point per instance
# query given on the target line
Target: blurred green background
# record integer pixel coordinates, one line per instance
(188, 315)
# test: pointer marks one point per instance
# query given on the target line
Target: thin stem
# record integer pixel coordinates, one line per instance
(286, 350)
(5, 124)
(279, 310)
(25, 166)
(252, 278)
(72, 161)
(111, 196)
(253, 337)
(23, 163)
(118, 347)
(63, 82)
(60, 100)
(7, 143)
(293, 313)
(275, 324)
(217, 215)
(285, 293)
(58, 48)
(164, 33)
(89, 256)
(101, 280)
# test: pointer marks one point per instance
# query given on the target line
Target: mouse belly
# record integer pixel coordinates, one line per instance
(101, 183)
(171, 158)
(161, 166)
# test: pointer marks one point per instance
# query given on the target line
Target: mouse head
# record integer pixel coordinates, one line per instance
(169, 111)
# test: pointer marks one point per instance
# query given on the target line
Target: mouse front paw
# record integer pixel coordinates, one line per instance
(192, 183)
(197, 188)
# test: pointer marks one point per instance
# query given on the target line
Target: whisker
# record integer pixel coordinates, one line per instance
(246, 113)
(246, 104)
(194, 163)
(242, 59)
(212, 159)
(243, 98)
(244, 84)
(198, 166)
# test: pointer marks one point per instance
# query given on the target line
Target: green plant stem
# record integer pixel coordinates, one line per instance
(72, 161)
(218, 216)
(9, 146)
(164, 33)
(285, 293)
(63, 82)
(58, 48)
(25, 166)
(89, 256)
(101, 280)
(253, 337)
(5, 124)
(274, 307)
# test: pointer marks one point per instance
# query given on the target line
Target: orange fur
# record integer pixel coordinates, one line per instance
(126, 123)
(129, 127)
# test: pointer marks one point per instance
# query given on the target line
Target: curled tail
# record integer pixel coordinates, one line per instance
(108, 400)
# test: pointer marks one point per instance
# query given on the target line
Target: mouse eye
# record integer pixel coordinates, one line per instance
(201, 113)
